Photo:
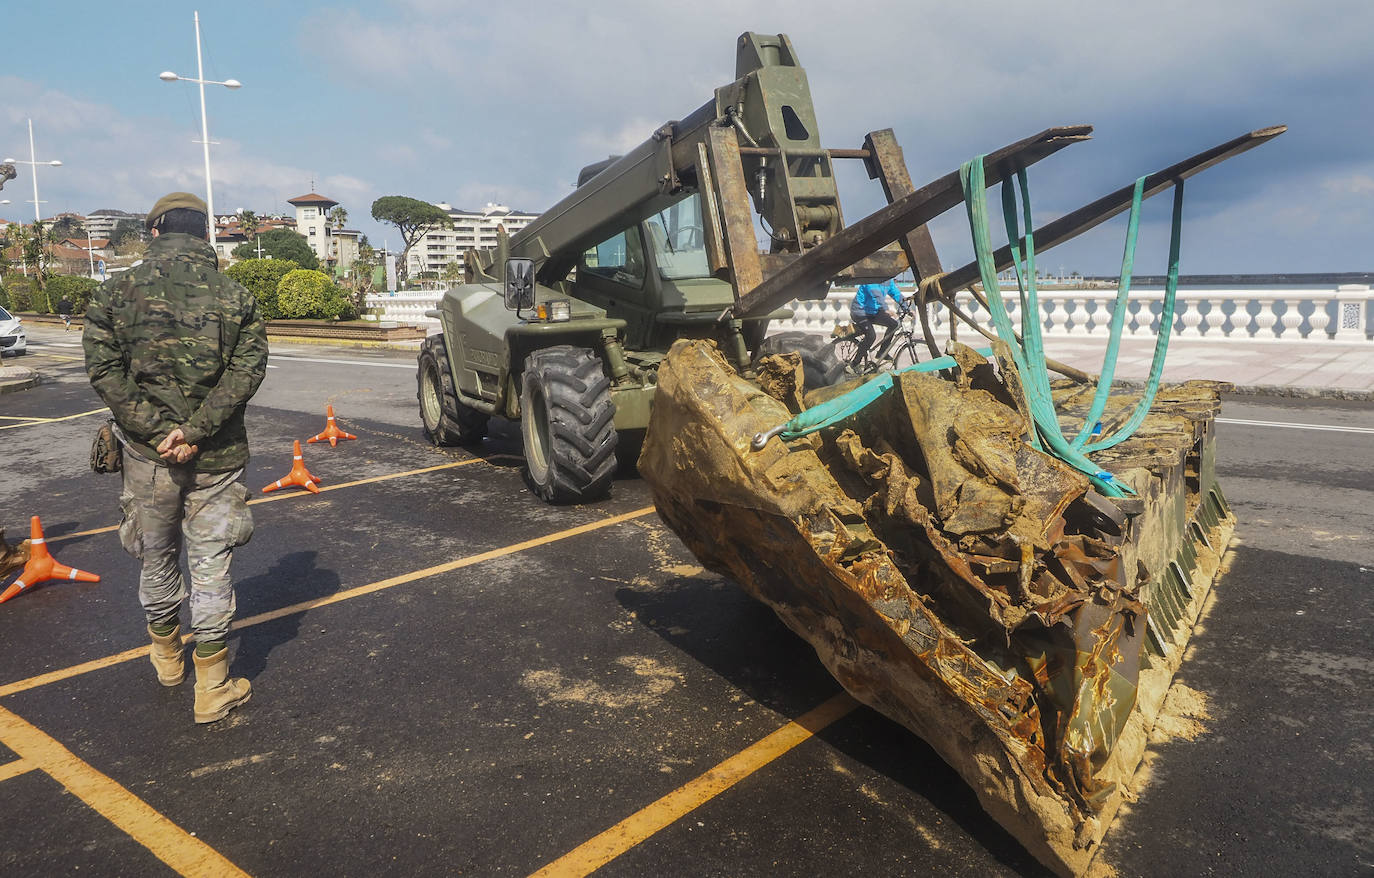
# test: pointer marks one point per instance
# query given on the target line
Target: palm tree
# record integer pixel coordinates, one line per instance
(248, 221)
(338, 217)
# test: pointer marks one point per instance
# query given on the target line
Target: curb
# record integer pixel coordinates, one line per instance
(1282, 390)
(18, 382)
(410, 346)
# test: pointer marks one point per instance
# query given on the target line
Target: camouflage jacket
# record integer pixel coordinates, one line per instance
(174, 343)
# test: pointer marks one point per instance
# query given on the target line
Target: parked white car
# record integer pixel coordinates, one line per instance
(13, 338)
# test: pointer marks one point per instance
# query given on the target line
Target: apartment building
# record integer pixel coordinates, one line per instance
(100, 223)
(472, 229)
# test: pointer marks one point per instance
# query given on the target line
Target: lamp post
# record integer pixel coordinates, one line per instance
(33, 164)
(201, 81)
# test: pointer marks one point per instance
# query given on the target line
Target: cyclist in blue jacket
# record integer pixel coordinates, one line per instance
(870, 307)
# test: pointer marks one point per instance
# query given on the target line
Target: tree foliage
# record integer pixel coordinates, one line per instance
(248, 221)
(411, 217)
(68, 226)
(16, 293)
(311, 294)
(262, 277)
(125, 233)
(360, 273)
(280, 244)
(76, 289)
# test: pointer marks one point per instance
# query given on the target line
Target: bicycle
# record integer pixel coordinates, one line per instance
(899, 352)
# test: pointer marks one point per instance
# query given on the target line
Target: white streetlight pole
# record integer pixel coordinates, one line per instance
(201, 81)
(33, 163)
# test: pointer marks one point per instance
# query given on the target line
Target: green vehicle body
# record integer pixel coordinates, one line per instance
(631, 291)
(648, 249)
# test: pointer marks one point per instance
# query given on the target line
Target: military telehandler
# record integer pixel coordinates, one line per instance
(1017, 596)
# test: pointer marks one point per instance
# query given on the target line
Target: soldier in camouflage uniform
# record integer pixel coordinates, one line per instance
(176, 350)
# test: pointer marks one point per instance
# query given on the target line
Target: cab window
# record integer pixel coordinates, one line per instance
(619, 258)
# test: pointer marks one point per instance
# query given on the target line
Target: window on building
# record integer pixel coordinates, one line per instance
(308, 213)
(312, 231)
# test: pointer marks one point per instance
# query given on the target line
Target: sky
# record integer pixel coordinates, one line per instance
(476, 102)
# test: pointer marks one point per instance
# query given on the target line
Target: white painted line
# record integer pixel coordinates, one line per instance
(379, 363)
(1327, 427)
(56, 344)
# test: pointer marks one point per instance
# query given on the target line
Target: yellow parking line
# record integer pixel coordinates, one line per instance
(15, 768)
(168, 842)
(19, 418)
(131, 654)
(34, 421)
(57, 357)
(299, 494)
(588, 857)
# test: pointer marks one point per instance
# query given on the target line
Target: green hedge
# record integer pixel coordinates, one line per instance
(311, 294)
(16, 293)
(262, 277)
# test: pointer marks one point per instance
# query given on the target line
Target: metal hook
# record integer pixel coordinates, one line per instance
(761, 439)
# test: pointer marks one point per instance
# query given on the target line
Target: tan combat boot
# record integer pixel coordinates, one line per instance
(168, 656)
(216, 694)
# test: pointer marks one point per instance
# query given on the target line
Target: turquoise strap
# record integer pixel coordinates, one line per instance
(835, 410)
(1034, 374)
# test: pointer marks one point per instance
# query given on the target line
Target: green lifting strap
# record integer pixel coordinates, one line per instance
(1030, 363)
(1166, 329)
(1123, 289)
(1030, 355)
(835, 410)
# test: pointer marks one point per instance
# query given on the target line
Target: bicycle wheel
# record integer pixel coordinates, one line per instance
(904, 354)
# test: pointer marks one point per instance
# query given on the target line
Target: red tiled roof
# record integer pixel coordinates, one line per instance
(61, 252)
(311, 198)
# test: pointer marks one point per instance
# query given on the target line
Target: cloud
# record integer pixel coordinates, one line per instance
(470, 103)
(1355, 183)
(540, 95)
(111, 159)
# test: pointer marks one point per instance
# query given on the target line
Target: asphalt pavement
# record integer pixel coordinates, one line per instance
(451, 677)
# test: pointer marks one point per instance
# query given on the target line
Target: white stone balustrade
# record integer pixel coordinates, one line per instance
(407, 308)
(1315, 316)
(1341, 313)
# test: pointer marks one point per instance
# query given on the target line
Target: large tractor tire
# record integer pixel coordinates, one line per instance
(567, 419)
(446, 420)
(820, 366)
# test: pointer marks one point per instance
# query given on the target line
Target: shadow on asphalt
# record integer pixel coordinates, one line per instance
(266, 591)
(717, 624)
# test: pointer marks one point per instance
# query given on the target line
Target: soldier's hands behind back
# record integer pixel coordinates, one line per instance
(174, 449)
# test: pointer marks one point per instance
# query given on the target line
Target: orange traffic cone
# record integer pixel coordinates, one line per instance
(299, 475)
(42, 566)
(331, 430)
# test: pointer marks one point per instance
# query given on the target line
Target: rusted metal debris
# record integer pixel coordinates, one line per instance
(954, 578)
(12, 557)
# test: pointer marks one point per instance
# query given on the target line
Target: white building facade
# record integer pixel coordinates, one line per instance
(472, 229)
(100, 223)
(312, 221)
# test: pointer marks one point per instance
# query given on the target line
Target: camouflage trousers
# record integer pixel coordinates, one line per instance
(168, 506)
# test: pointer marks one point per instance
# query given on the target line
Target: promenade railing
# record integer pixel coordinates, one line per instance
(1342, 313)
